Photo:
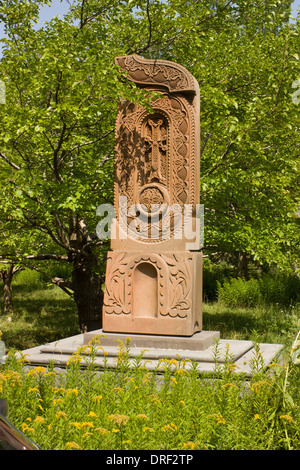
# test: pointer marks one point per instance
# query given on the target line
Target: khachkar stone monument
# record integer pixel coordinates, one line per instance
(154, 273)
(153, 290)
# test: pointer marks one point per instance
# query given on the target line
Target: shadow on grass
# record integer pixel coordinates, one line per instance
(39, 316)
(230, 325)
(264, 324)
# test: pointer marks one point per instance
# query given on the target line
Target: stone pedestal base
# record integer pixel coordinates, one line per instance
(241, 353)
(198, 342)
(153, 293)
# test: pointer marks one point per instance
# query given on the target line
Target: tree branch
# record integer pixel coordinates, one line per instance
(63, 284)
(12, 164)
(46, 257)
(221, 160)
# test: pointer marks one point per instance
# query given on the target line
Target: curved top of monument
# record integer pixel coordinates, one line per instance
(158, 73)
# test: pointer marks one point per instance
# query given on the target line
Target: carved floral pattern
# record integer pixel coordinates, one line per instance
(155, 148)
(160, 73)
(174, 282)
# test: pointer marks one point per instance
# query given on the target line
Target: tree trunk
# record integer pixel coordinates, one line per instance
(243, 265)
(7, 276)
(88, 294)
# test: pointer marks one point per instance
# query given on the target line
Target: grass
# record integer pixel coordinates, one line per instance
(44, 313)
(265, 324)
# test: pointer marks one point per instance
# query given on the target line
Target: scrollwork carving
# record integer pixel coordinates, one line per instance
(174, 283)
(161, 73)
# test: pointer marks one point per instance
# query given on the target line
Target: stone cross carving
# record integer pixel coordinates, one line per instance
(153, 281)
(156, 139)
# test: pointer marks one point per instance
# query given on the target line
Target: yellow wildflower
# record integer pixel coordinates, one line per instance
(14, 378)
(75, 358)
(102, 431)
(146, 378)
(61, 414)
(87, 424)
(119, 419)
(256, 416)
(26, 428)
(115, 430)
(256, 386)
(287, 418)
(229, 385)
(39, 419)
(173, 362)
(73, 445)
(142, 416)
(96, 340)
(146, 428)
(154, 399)
(182, 402)
(33, 389)
(92, 414)
(171, 427)
(129, 379)
(219, 418)
(40, 370)
(231, 367)
(274, 364)
(98, 398)
(182, 372)
(189, 445)
(71, 391)
(76, 424)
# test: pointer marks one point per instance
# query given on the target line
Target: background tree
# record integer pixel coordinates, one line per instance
(56, 139)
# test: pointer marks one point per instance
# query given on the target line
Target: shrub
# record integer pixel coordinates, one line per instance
(214, 274)
(267, 290)
(240, 293)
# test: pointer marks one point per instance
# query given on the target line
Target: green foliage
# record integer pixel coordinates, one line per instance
(62, 92)
(131, 408)
(267, 290)
(238, 292)
(213, 275)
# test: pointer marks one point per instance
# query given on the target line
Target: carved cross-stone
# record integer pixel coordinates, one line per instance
(154, 284)
(156, 140)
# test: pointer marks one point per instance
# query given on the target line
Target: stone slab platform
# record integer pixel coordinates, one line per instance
(242, 353)
(198, 342)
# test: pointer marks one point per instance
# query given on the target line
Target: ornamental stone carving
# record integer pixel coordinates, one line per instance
(153, 282)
